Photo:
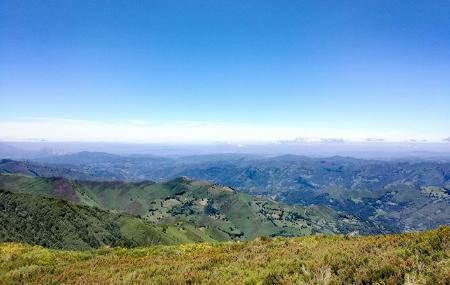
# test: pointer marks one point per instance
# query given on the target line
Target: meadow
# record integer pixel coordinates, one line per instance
(409, 258)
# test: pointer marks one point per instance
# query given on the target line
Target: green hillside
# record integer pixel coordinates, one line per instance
(60, 224)
(219, 211)
(414, 258)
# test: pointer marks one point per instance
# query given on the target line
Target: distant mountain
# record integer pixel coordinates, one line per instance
(398, 195)
(41, 170)
(7, 151)
(60, 224)
(105, 166)
(221, 212)
(84, 157)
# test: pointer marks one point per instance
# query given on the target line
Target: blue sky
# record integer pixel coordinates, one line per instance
(286, 68)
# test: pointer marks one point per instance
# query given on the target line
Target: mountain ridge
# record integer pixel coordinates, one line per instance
(223, 212)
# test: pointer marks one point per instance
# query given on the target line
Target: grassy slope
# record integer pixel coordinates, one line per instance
(415, 258)
(230, 214)
(60, 224)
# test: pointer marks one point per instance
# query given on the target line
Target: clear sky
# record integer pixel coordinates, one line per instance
(224, 70)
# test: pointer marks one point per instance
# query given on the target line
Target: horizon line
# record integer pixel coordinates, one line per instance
(194, 132)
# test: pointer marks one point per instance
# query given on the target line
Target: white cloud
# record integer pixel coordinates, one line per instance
(54, 129)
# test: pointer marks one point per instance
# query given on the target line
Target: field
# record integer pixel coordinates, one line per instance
(413, 258)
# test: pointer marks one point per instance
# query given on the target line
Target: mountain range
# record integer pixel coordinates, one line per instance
(188, 210)
(395, 195)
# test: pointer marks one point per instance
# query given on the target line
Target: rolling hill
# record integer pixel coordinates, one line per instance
(396, 195)
(219, 211)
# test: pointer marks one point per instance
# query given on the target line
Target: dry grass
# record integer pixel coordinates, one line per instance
(418, 258)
